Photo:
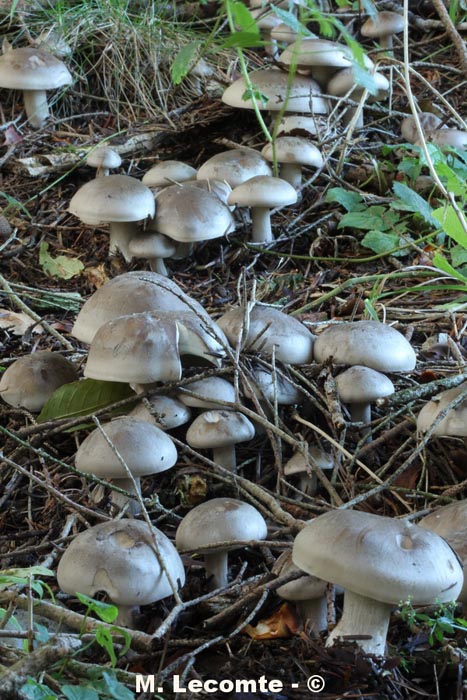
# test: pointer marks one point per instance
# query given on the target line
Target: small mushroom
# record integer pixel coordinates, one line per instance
(123, 559)
(200, 393)
(154, 247)
(454, 422)
(31, 380)
(104, 159)
(34, 71)
(168, 172)
(219, 521)
(221, 431)
(234, 166)
(293, 152)
(358, 387)
(379, 561)
(263, 193)
(383, 26)
(302, 466)
(165, 412)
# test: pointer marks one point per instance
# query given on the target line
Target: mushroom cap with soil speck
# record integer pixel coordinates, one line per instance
(219, 428)
(234, 166)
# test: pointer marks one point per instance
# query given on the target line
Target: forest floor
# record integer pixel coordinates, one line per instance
(317, 270)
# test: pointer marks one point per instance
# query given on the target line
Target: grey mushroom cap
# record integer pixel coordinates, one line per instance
(103, 157)
(360, 384)
(453, 138)
(379, 558)
(428, 121)
(454, 422)
(450, 522)
(190, 214)
(115, 198)
(150, 244)
(368, 343)
(307, 53)
(31, 380)
(132, 292)
(297, 464)
(144, 448)
(29, 68)
(207, 389)
(263, 191)
(273, 387)
(300, 589)
(119, 558)
(304, 95)
(343, 83)
(167, 172)
(270, 330)
(219, 428)
(220, 520)
(165, 412)
(234, 166)
(294, 149)
(383, 24)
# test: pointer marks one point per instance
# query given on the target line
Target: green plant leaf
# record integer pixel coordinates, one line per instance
(103, 637)
(243, 18)
(365, 220)
(351, 201)
(381, 242)
(104, 611)
(79, 692)
(62, 266)
(32, 690)
(409, 200)
(458, 255)
(441, 263)
(451, 224)
(82, 398)
(24, 576)
(184, 61)
(243, 40)
(115, 688)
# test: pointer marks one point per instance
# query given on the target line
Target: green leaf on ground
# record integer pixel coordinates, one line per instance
(351, 201)
(62, 266)
(381, 242)
(83, 398)
(184, 61)
(451, 224)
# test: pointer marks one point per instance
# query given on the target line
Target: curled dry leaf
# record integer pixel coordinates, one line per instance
(283, 624)
(18, 323)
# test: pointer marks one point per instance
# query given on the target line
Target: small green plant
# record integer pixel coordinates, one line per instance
(442, 622)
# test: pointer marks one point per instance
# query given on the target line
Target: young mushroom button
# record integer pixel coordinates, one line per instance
(123, 559)
(358, 386)
(220, 430)
(220, 521)
(379, 562)
(263, 193)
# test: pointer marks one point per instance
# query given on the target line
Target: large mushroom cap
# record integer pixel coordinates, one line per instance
(31, 380)
(130, 293)
(220, 520)
(190, 214)
(304, 95)
(119, 557)
(145, 449)
(455, 420)
(270, 328)
(112, 198)
(379, 558)
(368, 343)
(234, 166)
(306, 53)
(28, 68)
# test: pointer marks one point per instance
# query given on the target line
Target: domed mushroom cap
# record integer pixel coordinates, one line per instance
(119, 557)
(190, 214)
(428, 122)
(454, 422)
(300, 589)
(220, 520)
(103, 157)
(31, 380)
(145, 449)
(167, 172)
(383, 24)
(450, 522)
(263, 191)
(297, 464)
(343, 83)
(293, 149)
(207, 389)
(219, 428)
(234, 166)
(273, 387)
(368, 343)
(306, 53)
(379, 558)
(270, 328)
(28, 68)
(360, 384)
(446, 137)
(163, 411)
(112, 198)
(304, 95)
(130, 293)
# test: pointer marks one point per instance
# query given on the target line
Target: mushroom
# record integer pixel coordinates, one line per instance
(168, 172)
(33, 71)
(292, 152)
(358, 386)
(220, 430)
(368, 343)
(165, 412)
(450, 523)
(454, 422)
(305, 468)
(234, 166)
(144, 448)
(383, 26)
(155, 247)
(429, 122)
(343, 84)
(104, 159)
(200, 393)
(263, 193)
(378, 561)
(267, 330)
(125, 559)
(219, 521)
(31, 380)
(450, 138)
(308, 593)
(129, 293)
(120, 201)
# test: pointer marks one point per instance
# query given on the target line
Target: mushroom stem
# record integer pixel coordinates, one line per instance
(121, 233)
(119, 500)
(308, 483)
(315, 613)
(292, 173)
(360, 412)
(261, 225)
(362, 617)
(126, 616)
(387, 43)
(158, 265)
(216, 567)
(226, 457)
(36, 107)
